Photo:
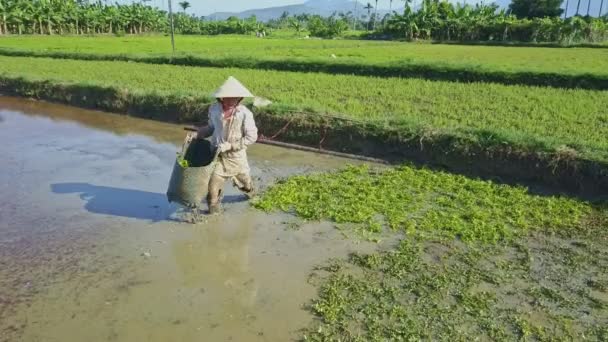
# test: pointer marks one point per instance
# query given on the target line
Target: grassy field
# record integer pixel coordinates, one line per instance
(530, 118)
(513, 65)
(478, 261)
(566, 61)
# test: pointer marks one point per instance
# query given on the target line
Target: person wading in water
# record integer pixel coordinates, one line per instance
(232, 129)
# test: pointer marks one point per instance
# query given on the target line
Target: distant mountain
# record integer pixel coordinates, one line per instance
(321, 7)
(328, 7)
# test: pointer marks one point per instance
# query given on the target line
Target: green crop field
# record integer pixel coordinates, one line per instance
(531, 118)
(568, 61)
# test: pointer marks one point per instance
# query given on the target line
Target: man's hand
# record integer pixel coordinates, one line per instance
(224, 147)
(190, 136)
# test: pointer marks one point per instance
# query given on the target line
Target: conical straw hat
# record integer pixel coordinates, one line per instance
(232, 88)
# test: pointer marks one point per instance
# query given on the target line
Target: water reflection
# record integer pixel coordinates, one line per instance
(216, 261)
(115, 123)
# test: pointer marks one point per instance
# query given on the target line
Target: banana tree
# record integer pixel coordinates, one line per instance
(19, 15)
(72, 12)
(3, 15)
(574, 28)
(58, 14)
(405, 23)
(112, 18)
(428, 18)
(296, 25)
(46, 12)
(37, 18)
(139, 17)
(508, 22)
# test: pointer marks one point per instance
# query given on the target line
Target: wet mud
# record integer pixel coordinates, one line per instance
(90, 249)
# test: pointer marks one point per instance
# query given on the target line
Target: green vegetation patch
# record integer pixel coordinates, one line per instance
(565, 68)
(424, 290)
(570, 61)
(478, 260)
(421, 202)
(529, 119)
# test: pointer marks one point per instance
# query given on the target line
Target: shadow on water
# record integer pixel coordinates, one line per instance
(143, 205)
(106, 200)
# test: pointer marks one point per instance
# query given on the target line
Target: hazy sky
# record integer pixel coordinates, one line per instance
(205, 7)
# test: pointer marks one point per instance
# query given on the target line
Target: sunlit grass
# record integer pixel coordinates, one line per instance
(529, 118)
(569, 61)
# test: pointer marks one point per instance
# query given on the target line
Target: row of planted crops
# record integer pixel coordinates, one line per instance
(477, 259)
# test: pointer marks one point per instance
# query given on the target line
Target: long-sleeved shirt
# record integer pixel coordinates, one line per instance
(239, 130)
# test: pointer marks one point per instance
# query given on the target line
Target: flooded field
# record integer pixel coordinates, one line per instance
(91, 250)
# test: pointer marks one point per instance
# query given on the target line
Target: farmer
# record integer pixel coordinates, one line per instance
(233, 129)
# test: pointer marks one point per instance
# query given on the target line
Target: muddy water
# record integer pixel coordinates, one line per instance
(91, 250)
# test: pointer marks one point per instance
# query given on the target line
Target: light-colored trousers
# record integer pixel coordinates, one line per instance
(216, 185)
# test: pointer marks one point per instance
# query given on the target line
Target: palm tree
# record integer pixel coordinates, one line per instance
(390, 6)
(184, 5)
(588, 6)
(369, 11)
(601, 7)
(578, 7)
(172, 26)
(566, 9)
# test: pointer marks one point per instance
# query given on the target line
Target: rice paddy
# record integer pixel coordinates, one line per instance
(476, 259)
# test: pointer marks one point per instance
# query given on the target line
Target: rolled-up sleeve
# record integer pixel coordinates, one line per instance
(250, 130)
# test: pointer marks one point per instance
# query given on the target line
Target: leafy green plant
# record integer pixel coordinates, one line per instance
(420, 201)
(425, 290)
(479, 260)
(182, 162)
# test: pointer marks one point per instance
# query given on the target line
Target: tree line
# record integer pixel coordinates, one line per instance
(441, 20)
(96, 17)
